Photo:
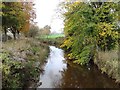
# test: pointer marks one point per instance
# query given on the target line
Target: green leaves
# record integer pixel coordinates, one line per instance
(85, 55)
(16, 73)
(88, 25)
(17, 16)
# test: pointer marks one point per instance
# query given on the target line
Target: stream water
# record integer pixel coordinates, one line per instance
(59, 73)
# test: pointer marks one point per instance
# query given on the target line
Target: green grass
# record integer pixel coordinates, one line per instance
(53, 36)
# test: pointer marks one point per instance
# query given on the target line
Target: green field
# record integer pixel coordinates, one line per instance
(52, 36)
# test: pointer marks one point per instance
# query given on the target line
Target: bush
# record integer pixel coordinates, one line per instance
(17, 74)
(32, 32)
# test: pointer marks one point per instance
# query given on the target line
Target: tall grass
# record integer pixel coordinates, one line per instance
(108, 62)
(22, 60)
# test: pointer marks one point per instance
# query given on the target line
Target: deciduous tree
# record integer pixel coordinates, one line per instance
(89, 26)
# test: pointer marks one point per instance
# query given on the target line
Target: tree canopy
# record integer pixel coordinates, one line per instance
(17, 16)
(89, 26)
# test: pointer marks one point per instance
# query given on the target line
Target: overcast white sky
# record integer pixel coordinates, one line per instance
(46, 14)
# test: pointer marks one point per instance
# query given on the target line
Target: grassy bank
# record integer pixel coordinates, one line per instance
(108, 62)
(22, 62)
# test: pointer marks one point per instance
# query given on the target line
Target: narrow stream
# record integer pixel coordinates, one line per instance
(61, 74)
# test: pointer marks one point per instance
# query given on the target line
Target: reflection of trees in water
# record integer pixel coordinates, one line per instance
(76, 76)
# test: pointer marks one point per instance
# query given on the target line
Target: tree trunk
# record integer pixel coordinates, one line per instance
(18, 34)
(5, 32)
(13, 32)
(14, 35)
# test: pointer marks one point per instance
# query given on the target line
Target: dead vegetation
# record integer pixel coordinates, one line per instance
(108, 62)
(25, 56)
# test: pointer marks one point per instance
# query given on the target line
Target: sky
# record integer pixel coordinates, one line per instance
(46, 14)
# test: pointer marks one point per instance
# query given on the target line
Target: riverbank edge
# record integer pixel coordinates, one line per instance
(52, 41)
(32, 52)
(106, 66)
(108, 62)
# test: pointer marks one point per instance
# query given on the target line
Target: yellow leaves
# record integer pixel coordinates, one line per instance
(77, 2)
(70, 56)
(102, 33)
(26, 27)
(77, 61)
(67, 43)
(61, 46)
(103, 69)
(105, 29)
(6, 69)
(116, 33)
(73, 4)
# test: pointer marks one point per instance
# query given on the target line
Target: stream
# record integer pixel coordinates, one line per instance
(59, 73)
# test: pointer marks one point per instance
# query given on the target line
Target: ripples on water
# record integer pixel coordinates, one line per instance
(59, 74)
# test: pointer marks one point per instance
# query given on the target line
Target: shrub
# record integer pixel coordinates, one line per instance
(15, 74)
(32, 32)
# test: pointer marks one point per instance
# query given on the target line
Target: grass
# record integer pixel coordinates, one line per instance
(52, 39)
(53, 36)
(32, 54)
(108, 62)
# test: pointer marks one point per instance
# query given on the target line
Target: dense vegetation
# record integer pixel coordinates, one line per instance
(52, 39)
(22, 57)
(92, 33)
(16, 17)
(21, 64)
(90, 26)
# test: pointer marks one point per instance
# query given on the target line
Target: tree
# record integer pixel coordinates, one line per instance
(89, 26)
(16, 16)
(33, 31)
(45, 30)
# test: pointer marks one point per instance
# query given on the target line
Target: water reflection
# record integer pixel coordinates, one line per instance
(76, 76)
(55, 65)
(59, 74)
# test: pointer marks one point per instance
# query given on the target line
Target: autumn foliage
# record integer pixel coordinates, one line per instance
(89, 26)
(17, 16)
